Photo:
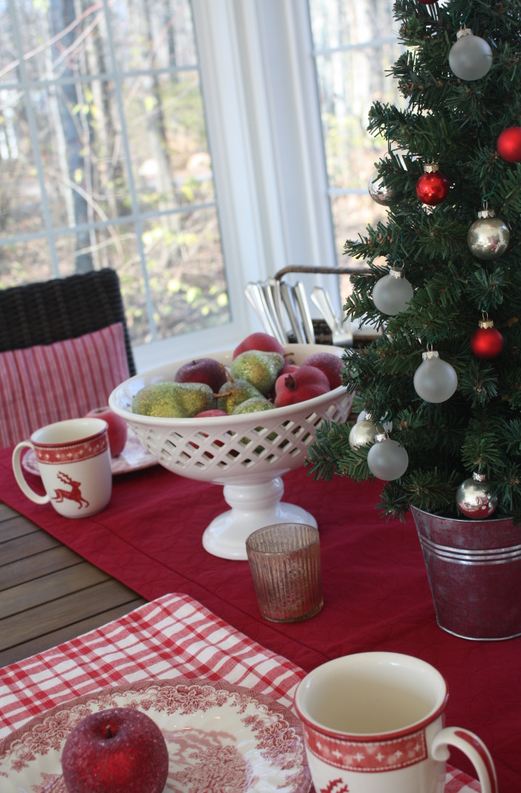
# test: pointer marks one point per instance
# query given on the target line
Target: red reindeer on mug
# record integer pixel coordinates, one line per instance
(73, 495)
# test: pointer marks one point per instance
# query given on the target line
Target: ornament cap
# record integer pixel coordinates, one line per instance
(429, 354)
(431, 167)
(464, 32)
(485, 323)
(380, 436)
(479, 477)
(395, 272)
(486, 213)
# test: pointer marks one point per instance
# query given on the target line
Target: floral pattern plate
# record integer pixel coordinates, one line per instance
(134, 457)
(221, 739)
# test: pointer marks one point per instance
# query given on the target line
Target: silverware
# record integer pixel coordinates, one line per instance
(274, 286)
(340, 335)
(256, 299)
(301, 298)
(286, 292)
(267, 292)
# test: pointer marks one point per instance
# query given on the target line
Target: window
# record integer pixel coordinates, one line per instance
(105, 159)
(184, 143)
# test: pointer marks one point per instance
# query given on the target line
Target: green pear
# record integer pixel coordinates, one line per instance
(234, 392)
(173, 400)
(252, 405)
(259, 368)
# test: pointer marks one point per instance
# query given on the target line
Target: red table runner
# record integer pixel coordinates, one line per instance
(375, 586)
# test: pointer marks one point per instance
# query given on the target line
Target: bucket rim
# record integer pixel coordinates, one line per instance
(464, 521)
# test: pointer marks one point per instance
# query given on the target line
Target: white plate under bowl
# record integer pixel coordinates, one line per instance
(219, 737)
(134, 457)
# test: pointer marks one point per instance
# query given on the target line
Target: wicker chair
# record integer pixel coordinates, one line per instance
(62, 308)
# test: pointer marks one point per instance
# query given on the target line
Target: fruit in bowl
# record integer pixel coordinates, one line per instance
(117, 428)
(248, 450)
(118, 750)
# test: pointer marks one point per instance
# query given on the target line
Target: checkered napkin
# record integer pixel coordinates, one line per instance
(173, 636)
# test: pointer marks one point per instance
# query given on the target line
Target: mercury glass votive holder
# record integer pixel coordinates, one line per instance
(284, 561)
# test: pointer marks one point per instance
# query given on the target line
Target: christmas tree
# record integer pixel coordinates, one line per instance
(441, 384)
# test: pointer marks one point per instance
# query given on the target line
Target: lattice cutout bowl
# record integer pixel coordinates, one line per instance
(248, 454)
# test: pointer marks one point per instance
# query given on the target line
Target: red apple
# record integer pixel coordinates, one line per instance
(120, 750)
(117, 428)
(210, 412)
(259, 341)
(202, 370)
(328, 363)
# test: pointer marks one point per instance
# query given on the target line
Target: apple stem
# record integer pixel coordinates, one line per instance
(108, 731)
(290, 383)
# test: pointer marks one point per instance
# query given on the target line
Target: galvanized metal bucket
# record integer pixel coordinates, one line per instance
(474, 572)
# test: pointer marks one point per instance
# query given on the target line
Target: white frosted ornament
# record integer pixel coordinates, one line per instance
(392, 293)
(435, 380)
(470, 57)
(387, 459)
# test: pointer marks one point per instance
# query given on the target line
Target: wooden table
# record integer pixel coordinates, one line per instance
(49, 594)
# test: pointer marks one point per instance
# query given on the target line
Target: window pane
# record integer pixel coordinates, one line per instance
(349, 82)
(153, 34)
(20, 197)
(8, 53)
(24, 261)
(80, 147)
(355, 45)
(186, 270)
(117, 124)
(336, 23)
(167, 139)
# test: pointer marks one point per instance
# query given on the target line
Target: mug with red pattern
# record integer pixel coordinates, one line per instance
(73, 459)
(374, 723)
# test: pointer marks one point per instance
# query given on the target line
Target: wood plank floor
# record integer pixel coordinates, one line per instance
(49, 594)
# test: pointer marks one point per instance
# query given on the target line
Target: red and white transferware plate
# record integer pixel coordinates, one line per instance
(220, 738)
(134, 457)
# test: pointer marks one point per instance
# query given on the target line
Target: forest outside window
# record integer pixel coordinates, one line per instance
(105, 160)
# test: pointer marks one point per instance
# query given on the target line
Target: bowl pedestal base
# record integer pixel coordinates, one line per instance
(252, 506)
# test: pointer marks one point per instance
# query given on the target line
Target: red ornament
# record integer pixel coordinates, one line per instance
(487, 341)
(508, 144)
(432, 187)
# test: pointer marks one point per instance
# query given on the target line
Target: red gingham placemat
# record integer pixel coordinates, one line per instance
(172, 636)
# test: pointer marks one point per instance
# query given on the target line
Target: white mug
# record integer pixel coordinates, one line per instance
(73, 458)
(373, 723)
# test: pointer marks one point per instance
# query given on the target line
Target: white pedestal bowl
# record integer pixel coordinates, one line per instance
(248, 454)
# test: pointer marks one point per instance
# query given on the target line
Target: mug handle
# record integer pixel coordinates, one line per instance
(20, 478)
(471, 746)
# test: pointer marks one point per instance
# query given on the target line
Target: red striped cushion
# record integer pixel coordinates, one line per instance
(58, 381)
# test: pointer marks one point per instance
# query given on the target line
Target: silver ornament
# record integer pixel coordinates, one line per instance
(435, 380)
(392, 293)
(387, 426)
(363, 433)
(379, 192)
(488, 237)
(387, 459)
(470, 57)
(474, 499)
